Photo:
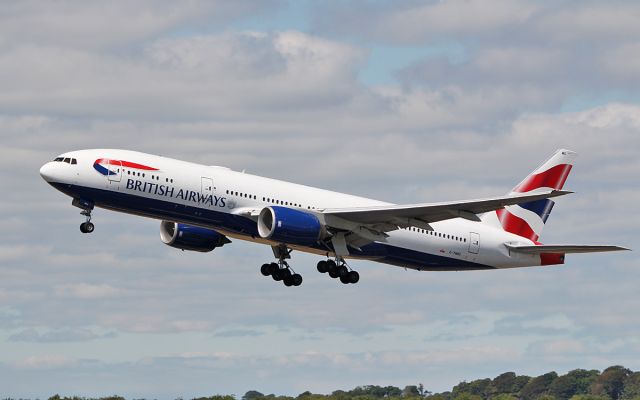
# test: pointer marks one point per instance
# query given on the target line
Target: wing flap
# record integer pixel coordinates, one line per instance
(564, 248)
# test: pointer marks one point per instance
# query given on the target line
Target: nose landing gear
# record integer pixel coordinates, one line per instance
(87, 227)
(87, 207)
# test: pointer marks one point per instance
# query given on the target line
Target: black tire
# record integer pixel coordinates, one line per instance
(322, 266)
(83, 227)
(89, 227)
(285, 273)
(264, 270)
(334, 273)
(344, 279)
(276, 277)
(273, 268)
(331, 267)
(288, 281)
(353, 277)
(342, 271)
(297, 279)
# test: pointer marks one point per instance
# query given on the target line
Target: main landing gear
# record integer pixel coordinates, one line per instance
(281, 271)
(339, 270)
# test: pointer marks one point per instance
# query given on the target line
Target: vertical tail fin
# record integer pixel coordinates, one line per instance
(528, 219)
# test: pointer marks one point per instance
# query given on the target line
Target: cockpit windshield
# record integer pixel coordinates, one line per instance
(68, 160)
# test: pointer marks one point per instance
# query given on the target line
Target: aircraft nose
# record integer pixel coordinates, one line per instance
(47, 172)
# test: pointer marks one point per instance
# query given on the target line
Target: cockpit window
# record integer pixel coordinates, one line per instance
(68, 160)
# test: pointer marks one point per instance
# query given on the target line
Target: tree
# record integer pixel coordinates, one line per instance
(520, 382)
(583, 379)
(631, 387)
(410, 391)
(564, 387)
(610, 382)
(503, 383)
(479, 387)
(537, 386)
(467, 396)
(252, 395)
(216, 397)
(588, 397)
(423, 392)
(504, 396)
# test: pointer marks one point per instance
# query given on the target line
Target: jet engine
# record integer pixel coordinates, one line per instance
(187, 237)
(291, 226)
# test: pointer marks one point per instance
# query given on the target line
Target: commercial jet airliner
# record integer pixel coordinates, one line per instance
(201, 207)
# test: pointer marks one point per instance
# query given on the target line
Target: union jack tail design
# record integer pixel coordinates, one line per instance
(528, 219)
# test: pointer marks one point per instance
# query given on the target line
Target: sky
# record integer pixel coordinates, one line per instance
(400, 101)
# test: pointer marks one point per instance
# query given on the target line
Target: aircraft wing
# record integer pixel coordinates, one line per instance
(421, 215)
(564, 248)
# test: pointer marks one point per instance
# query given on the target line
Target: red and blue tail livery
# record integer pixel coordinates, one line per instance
(202, 207)
(103, 165)
(528, 219)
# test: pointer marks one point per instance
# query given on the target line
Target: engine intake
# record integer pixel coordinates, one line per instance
(291, 226)
(193, 238)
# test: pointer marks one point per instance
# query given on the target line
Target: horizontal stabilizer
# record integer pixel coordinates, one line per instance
(564, 248)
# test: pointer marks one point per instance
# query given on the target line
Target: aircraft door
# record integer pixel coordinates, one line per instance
(474, 243)
(115, 171)
(207, 186)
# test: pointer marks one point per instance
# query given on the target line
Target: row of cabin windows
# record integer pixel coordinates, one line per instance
(153, 177)
(68, 160)
(437, 234)
(268, 199)
(245, 195)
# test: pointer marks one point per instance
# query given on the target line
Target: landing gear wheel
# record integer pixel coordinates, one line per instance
(344, 279)
(296, 279)
(285, 274)
(288, 281)
(353, 277)
(273, 268)
(332, 268)
(264, 270)
(87, 227)
(322, 266)
(276, 277)
(342, 271)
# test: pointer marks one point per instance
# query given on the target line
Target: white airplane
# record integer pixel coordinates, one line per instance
(201, 206)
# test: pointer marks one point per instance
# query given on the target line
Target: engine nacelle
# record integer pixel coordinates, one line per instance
(187, 237)
(291, 226)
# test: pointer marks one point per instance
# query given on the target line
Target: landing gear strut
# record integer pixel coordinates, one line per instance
(281, 271)
(338, 270)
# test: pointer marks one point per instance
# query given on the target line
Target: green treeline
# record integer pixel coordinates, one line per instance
(614, 383)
